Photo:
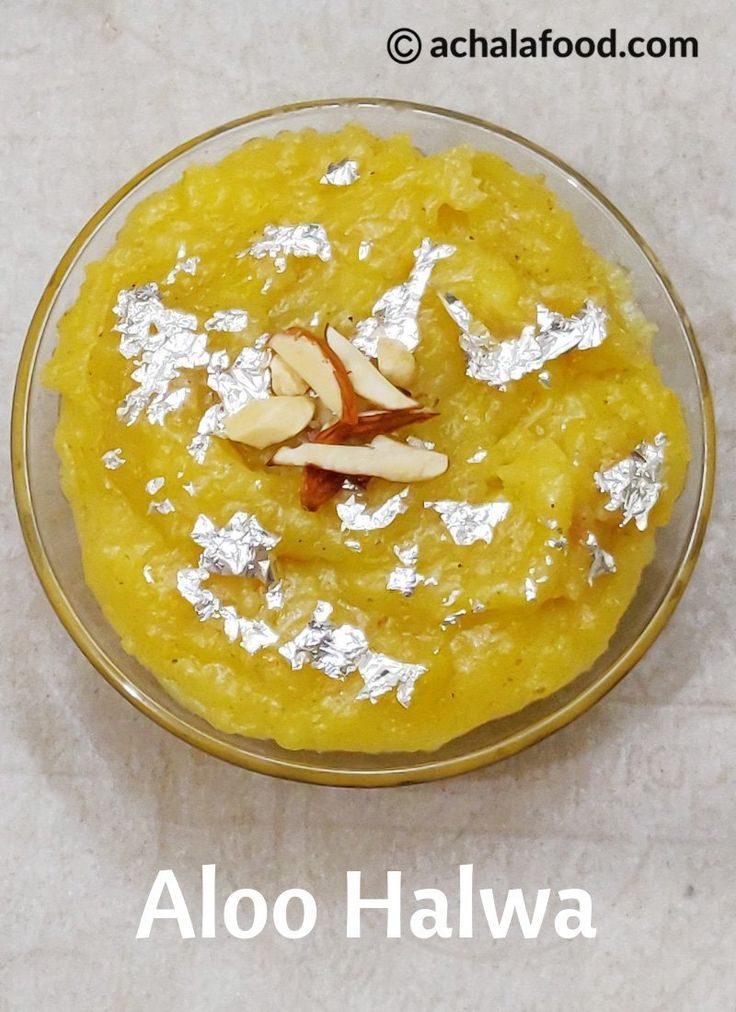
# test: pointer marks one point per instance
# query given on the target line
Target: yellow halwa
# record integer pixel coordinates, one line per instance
(515, 247)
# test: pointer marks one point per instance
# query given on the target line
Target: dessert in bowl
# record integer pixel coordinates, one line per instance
(366, 446)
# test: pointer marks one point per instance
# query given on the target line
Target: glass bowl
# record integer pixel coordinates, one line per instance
(49, 531)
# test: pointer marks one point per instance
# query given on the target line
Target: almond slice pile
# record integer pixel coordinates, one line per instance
(362, 400)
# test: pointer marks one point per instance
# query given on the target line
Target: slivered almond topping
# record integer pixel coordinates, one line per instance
(319, 486)
(311, 358)
(263, 423)
(381, 458)
(373, 423)
(366, 379)
(284, 381)
(396, 362)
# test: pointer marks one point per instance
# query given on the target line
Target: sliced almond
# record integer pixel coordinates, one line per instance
(312, 359)
(373, 423)
(284, 381)
(366, 379)
(396, 362)
(382, 458)
(266, 422)
(319, 486)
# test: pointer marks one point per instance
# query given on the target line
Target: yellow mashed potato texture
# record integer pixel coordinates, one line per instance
(515, 247)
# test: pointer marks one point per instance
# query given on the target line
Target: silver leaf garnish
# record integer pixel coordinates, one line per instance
(381, 674)
(477, 457)
(500, 362)
(247, 379)
(420, 444)
(364, 249)
(560, 543)
(634, 483)
(241, 548)
(275, 596)
(113, 459)
(266, 285)
(163, 342)
(453, 618)
(148, 574)
(189, 488)
(339, 651)
(155, 484)
(601, 561)
(253, 634)
(356, 516)
(530, 589)
(334, 650)
(353, 544)
(404, 578)
(395, 313)
(341, 173)
(227, 321)
(281, 241)
(163, 507)
(183, 265)
(468, 523)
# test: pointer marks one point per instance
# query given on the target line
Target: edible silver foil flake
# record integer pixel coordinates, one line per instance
(356, 516)
(163, 342)
(281, 241)
(381, 674)
(450, 599)
(338, 651)
(240, 548)
(113, 459)
(227, 321)
(154, 485)
(404, 577)
(247, 379)
(183, 265)
(266, 285)
(558, 543)
(419, 444)
(453, 618)
(601, 561)
(353, 545)
(634, 483)
(341, 173)
(477, 457)
(163, 507)
(498, 363)
(395, 313)
(530, 589)
(275, 596)
(544, 378)
(253, 634)
(148, 574)
(334, 650)
(468, 523)
(189, 488)
(364, 249)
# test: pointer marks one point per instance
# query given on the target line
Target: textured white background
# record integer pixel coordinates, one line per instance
(635, 801)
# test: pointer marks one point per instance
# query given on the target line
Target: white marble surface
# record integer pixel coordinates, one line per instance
(634, 802)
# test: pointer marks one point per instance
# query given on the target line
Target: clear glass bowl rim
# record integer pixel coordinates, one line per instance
(332, 775)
